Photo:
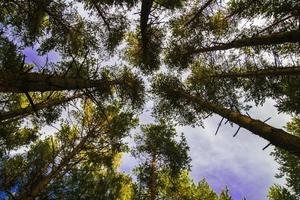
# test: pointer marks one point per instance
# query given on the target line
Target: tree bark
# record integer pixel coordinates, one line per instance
(145, 12)
(39, 106)
(35, 82)
(275, 38)
(274, 71)
(277, 137)
(152, 185)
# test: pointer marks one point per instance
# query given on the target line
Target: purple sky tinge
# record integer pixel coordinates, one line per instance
(32, 57)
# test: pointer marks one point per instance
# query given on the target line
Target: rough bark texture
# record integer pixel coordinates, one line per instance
(275, 38)
(275, 136)
(274, 71)
(35, 82)
(39, 106)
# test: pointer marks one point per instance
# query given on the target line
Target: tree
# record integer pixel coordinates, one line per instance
(157, 146)
(178, 101)
(183, 187)
(289, 168)
(277, 192)
(225, 195)
(90, 145)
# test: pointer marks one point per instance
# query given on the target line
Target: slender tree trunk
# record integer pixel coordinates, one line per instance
(35, 82)
(275, 38)
(39, 106)
(101, 14)
(152, 185)
(275, 71)
(198, 13)
(277, 137)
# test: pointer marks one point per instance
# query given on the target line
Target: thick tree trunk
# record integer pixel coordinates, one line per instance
(275, 38)
(35, 82)
(277, 137)
(39, 106)
(145, 12)
(275, 71)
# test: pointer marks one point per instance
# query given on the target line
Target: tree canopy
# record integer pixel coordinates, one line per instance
(191, 59)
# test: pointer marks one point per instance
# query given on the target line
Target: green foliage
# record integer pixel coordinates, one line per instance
(81, 158)
(183, 187)
(13, 136)
(92, 144)
(159, 141)
(171, 4)
(289, 168)
(146, 58)
(10, 59)
(127, 88)
(91, 185)
(133, 90)
(116, 33)
(246, 8)
(225, 195)
(215, 90)
(158, 150)
(115, 24)
(277, 192)
(170, 105)
(128, 3)
(178, 56)
(12, 171)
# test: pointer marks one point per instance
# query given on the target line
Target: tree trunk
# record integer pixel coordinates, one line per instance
(145, 12)
(39, 106)
(198, 13)
(152, 185)
(277, 137)
(275, 38)
(35, 82)
(274, 71)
